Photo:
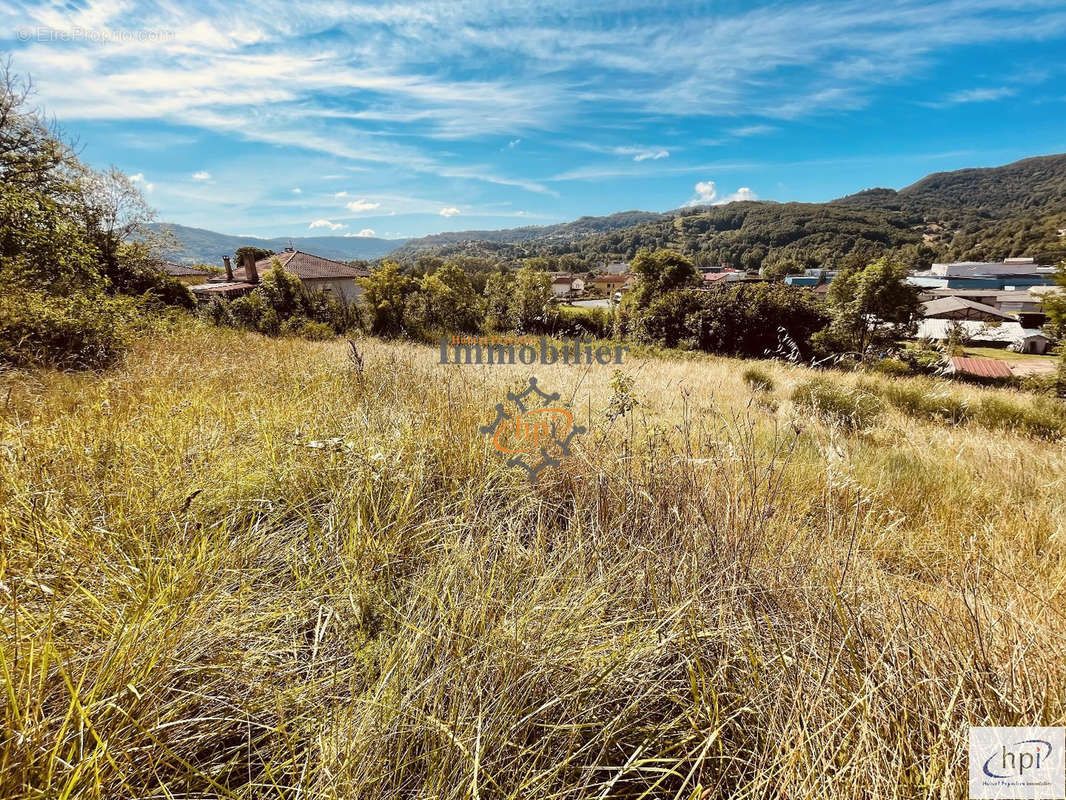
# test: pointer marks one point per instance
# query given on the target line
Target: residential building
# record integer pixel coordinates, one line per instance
(333, 278)
(190, 276)
(566, 285)
(609, 284)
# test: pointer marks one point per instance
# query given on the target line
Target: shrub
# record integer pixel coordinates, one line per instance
(758, 379)
(78, 331)
(749, 321)
(851, 409)
(292, 326)
(917, 401)
(892, 367)
(216, 311)
(922, 360)
(270, 322)
(317, 331)
(1046, 418)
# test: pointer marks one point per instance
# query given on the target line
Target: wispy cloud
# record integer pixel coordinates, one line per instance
(202, 175)
(978, 95)
(642, 153)
(450, 211)
(325, 223)
(441, 97)
(364, 233)
(752, 130)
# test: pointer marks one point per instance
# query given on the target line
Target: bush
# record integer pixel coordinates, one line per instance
(852, 409)
(1045, 419)
(922, 360)
(317, 331)
(78, 331)
(745, 320)
(269, 323)
(892, 367)
(758, 380)
(918, 402)
(216, 311)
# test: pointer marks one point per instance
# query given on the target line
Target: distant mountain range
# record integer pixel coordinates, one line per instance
(559, 234)
(970, 214)
(200, 246)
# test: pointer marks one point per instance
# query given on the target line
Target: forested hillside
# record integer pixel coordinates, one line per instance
(1015, 210)
(512, 241)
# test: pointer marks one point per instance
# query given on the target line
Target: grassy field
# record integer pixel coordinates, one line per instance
(238, 567)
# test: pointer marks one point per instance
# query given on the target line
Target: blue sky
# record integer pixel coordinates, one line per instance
(402, 119)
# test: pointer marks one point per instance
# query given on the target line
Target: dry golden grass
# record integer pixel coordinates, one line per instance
(714, 597)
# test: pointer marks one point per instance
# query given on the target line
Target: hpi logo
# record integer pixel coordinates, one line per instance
(1024, 763)
(546, 428)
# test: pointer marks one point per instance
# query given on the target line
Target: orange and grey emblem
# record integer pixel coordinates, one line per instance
(547, 429)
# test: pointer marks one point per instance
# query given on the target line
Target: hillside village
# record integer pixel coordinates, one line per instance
(362, 438)
(998, 306)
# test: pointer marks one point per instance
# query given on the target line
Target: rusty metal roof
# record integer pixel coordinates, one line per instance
(981, 367)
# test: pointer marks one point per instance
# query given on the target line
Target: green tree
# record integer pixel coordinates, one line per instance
(65, 243)
(446, 301)
(872, 306)
(751, 321)
(661, 272)
(499, 288)
(385, 293)
(778, 269)
(1054, 305)
(282, 290)
(258, 253)
(529, 301)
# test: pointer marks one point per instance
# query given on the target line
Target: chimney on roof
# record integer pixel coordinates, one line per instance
(251, 275)
(229, 268)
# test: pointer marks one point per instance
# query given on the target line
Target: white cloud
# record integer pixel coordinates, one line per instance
(325, 223)
(752, 130)
(979, 95)
(340, 194)
(514, 143)
(297, 190)
(362, 205)
(450, 211)
(365, 232)
(138, 179)
(743, 193)
(653, 155)
(548, 67)
(706, 194)
(202, 175)
(642, 153)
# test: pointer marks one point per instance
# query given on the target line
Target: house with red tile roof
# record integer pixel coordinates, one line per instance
(332, 278)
